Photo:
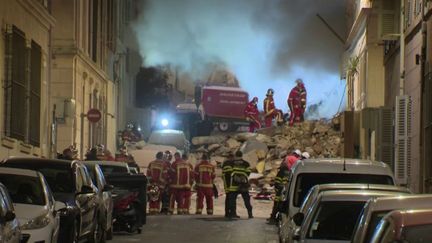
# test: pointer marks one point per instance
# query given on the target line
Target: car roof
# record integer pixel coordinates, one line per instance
(348, 186)
(403, 218)
(167, 131)
(399, 202)
(37, 160)
(21, 172)
(342, 165)
(355, 195)
(110, 163)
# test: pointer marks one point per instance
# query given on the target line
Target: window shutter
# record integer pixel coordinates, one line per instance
(402, 139)
(385, 136)
(388, 19)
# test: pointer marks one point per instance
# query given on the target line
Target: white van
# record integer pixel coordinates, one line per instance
(307, 173)
(376, 208)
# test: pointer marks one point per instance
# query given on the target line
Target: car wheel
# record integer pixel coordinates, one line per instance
(224, 126)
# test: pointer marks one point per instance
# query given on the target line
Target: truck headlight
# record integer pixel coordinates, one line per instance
(164, 122)
(37, 223)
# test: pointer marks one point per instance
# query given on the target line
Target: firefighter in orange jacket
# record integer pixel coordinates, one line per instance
(297, 102)
(270, 110)
(157, 173)
(252, 115)
(204, 176)
(181, 179)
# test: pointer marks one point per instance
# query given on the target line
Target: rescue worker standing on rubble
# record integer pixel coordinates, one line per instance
(204, 176)
(157, 173)
(270, 111)
(238, 171)
(181, 179)
(297, 102)
(252, 115)
(167, 157)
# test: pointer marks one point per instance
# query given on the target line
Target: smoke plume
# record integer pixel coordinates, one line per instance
(265, 43)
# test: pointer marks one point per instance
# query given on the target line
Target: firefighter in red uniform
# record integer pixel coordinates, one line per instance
(252, 115)
(270, 110)
(157, 173)
(297, 102)
(204, 176)
(188, 193)
(181, 179)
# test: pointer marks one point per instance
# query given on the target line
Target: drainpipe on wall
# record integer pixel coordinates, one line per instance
(402, 50)
(422, 84)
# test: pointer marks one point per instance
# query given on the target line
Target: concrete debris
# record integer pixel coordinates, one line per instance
(266, 149)
(205, 140)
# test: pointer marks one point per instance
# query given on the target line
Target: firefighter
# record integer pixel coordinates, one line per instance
(270, 111)
(252, 115)
(280, 180)
(239, 184)
(181, 179)
(157, 173)
(188, 193)
(69, 153)
(204, 176)
(297, 102)
(227, 169)
(166, 192)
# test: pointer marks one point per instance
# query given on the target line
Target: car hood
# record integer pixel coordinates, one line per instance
(25, 212)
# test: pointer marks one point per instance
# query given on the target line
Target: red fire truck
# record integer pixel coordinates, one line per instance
(222, 107)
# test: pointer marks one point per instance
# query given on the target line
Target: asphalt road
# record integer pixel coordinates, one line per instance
(202, 228)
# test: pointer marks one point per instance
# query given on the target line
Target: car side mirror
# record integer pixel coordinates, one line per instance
(298, 218)
(9, 216)
(59, 205)
(108, 188)
(86, 190)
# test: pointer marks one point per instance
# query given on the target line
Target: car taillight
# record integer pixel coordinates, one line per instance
(124, 203)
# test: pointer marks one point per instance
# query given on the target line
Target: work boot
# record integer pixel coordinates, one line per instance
(250, 214)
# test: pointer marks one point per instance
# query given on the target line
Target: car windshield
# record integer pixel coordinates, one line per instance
(334, 220)
(111, 169)
(374, 221)
(417, 233)
(175, 139)
(306, 181)
(24, 189)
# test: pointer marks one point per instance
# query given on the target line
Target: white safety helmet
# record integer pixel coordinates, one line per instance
(298, 152)
(305, 155)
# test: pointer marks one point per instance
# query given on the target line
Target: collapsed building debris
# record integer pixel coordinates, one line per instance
(266, 149)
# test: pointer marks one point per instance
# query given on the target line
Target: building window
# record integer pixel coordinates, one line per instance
(22, 87)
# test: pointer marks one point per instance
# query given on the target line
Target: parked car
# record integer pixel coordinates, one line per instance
(404, 226)
(10, 231)
(105, 210)
(333, 216)
(307, 173)
(71, 184)
(376, 208)
(287, 228)
(36, 209)
(111, 167)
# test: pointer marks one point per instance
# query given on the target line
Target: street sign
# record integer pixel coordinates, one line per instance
(94, 115)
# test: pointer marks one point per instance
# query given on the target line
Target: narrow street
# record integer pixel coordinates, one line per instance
(202, 228)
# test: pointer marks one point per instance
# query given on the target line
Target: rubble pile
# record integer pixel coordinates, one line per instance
(265, 149)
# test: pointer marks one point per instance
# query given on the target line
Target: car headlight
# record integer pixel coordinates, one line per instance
(37, 223)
